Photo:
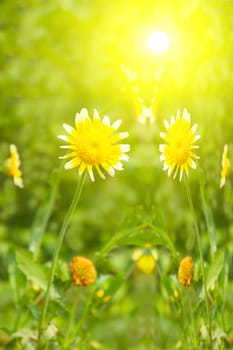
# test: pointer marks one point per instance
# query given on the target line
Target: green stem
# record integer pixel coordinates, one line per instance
(208, 218)
(43, 215)
(116, 238)
(84, 315)
(57, 250)
(197, 233)
(184, 311)
(71, 320)
(162, 234)
(192, 321)
(18, 317)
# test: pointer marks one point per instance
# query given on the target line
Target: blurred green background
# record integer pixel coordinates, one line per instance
(61, 55)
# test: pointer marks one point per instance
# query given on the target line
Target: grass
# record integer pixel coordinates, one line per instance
(58, 58)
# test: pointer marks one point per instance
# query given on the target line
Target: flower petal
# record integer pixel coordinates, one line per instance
(72, 163)
(123, 135)
(125, 148)
(106, 120)
(69, 129)
(116, 124)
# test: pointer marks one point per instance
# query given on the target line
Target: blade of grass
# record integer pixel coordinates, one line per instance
(208, 217)
(43, 214)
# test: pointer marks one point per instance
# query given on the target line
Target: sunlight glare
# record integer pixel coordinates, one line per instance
(158, 42)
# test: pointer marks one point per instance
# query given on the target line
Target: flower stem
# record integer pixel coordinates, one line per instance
(197, 233)
(184, 311)
(83, 317)
(116, 238)
(192, 321)
(71, 320)
(57, 250)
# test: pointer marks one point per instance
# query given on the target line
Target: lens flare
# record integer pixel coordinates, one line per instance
(158, 42)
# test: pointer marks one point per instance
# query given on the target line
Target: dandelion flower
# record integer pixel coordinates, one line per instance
(185, 272)
(83, 271)
(177, 153)
(94, 145)
(13, 166)
(225, 166)
(146, 259)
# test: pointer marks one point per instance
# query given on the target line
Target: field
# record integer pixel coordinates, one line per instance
(116, 152)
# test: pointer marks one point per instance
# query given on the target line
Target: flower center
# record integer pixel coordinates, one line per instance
(177, 152)
(93, 149)
(181, 153)
(179, 141)
(80, 272)
(186, 272)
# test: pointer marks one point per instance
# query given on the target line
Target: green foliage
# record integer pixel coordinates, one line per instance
(213, 271)
(56, 58)
(31, 270)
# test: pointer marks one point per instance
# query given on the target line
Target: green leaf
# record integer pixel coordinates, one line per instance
(117, 238)
(110, 284)
(43, 214)
(34, 311)
(144, 233)
(140, 238)
(164, 236)
(62, 271)
(17, 279)
(208, 216)
(12, 271)
(213, 272)
(224, 279)
(31, 270)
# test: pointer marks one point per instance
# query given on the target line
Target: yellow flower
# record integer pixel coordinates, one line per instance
(99, 293)
(83, 271)
(185, 272)
(13, 164)
(94, 144)
(225, 166)
(177, 153)
(146, 259)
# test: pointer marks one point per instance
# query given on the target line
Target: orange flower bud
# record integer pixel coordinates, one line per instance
(83, 271)
(185, 272)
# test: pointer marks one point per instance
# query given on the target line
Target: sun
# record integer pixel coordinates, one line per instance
(158, 42)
